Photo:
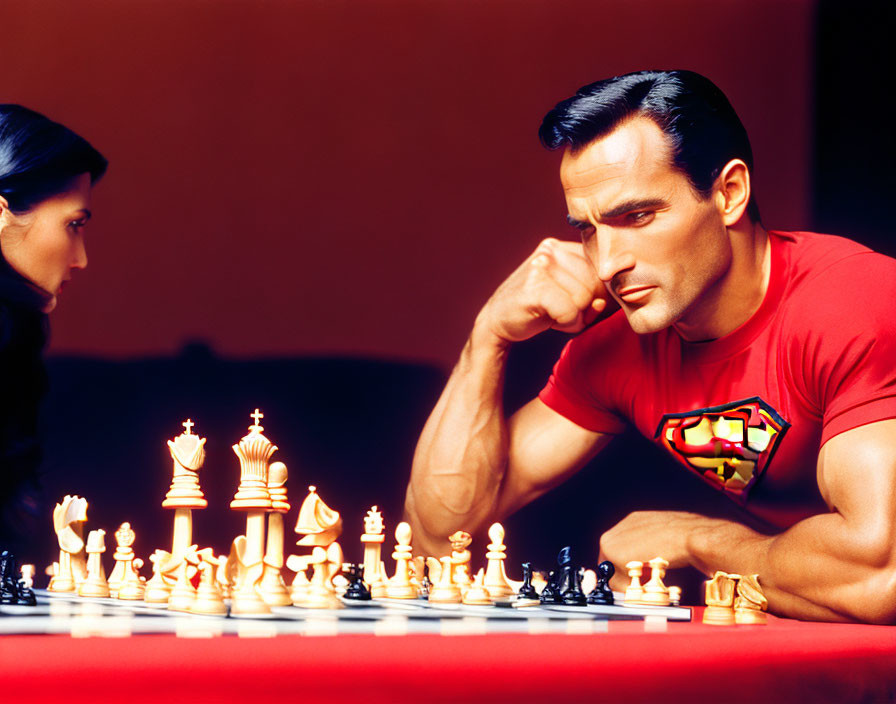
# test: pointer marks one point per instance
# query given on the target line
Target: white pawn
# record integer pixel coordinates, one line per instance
(445, 591)
(157, 589)
(400, 587)
(95, 584)
(655, 591)
(477, 593)
(495, 577)
(208, 597)
(321, 594)
(634, 592)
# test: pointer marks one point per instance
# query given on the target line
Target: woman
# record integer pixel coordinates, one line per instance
(46, 173)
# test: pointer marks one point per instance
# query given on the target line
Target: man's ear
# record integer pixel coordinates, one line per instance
(733, 190)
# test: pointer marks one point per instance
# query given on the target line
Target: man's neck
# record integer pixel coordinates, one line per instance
(734, 298)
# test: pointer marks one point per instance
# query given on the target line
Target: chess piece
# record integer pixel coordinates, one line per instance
(68, 521)
(356, 590)
(655, 592)
(589, 580)
(253, 497)
(188, 455)
(124, 582)
(477, 593)
(379, 588)
(9, 593)
(298, 590)
(495, 577)
(751, 603)
(460, 557)
(272, 588)
(445, 591)
(634, 592)
(675, 596)
(223, 575)
(569, 581)
(208, 598)
(527, 591)
(27, 572)
(25, 595)
(373, 539)
(719, 598)
(95, 584)
(321, 594)
(183, 593)
(417, 568)
(602, 594)
(123, 556)
(399, 586)
(720, 590)
(318, 524)
(133, 587)
(550, 593)
(157, 588)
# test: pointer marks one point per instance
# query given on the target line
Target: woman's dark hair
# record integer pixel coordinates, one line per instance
(39, 158)
(701, 128)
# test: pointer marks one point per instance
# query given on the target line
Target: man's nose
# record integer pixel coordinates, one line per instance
(613, 254)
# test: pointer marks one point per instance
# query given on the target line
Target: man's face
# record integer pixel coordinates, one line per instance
(654, 242)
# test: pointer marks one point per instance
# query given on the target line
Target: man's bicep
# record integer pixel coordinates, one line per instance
(544, 449)
(857, 478)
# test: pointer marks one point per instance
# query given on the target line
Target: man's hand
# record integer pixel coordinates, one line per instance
(644, 535)
(556, 287)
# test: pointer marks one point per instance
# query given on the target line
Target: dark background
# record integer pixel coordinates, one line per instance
(308, 202)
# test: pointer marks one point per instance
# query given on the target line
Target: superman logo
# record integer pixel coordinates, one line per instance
(730, 446)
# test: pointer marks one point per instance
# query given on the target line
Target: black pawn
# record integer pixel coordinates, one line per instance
(9, 593)
(527, 591)
(26, 596)
(602, 594)
(357, 590)
(573, 594)
(550, 593)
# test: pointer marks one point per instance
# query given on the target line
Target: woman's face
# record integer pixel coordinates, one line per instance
(45, 244)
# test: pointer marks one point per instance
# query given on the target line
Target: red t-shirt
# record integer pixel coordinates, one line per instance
(748, 412)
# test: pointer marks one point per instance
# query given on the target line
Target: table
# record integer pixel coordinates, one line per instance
(784, 661)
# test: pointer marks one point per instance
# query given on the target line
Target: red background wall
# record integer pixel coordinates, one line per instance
(297, 177)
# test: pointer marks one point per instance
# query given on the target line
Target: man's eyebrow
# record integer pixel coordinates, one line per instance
(87, 213)
(633, 205)
(621, 209)
(578, 224)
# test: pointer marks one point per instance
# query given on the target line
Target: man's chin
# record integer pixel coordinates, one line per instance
(644, 321)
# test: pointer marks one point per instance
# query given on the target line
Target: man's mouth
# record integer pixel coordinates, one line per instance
(634, 294)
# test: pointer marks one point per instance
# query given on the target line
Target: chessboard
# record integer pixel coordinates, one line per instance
(68, 614)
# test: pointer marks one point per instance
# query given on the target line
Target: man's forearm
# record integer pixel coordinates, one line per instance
(462, 453)
(819, 569)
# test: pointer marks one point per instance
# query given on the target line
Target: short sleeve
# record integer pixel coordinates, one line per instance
(847, 356)
(577, 389)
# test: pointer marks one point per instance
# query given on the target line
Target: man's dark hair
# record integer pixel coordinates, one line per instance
(701, 128)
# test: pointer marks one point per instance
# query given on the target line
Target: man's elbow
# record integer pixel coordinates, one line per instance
(879, 604)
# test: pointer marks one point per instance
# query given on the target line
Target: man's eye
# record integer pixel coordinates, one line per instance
(641, 217)
(76, 226)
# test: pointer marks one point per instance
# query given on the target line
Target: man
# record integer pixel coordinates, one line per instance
(765, 362)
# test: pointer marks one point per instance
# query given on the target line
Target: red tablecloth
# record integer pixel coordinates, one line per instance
(785, 661)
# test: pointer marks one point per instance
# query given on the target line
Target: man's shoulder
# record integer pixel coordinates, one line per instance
(810, 255)
(833, 280)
